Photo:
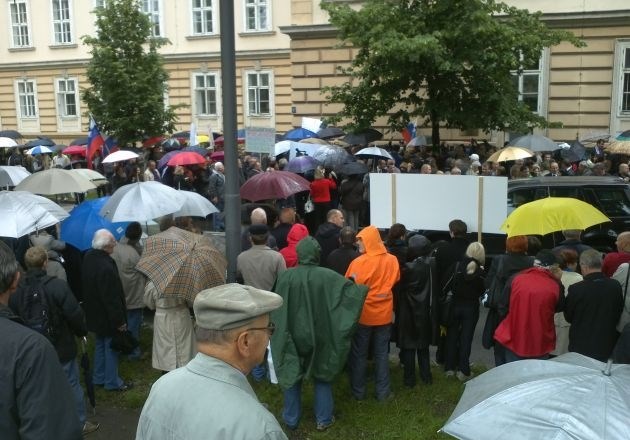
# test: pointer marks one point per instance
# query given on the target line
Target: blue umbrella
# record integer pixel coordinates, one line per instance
(168, 156)
(84, 221)
(196, 149)
(297, 134)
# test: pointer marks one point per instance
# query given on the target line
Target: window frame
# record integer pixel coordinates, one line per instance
(620, 75)
(64, 105)
(195, 90)
(69, 21)
(152, 14)
(257, 88)
(255, 6)
(215, 24)
(18, 95)
(27, 25)
(543, 82)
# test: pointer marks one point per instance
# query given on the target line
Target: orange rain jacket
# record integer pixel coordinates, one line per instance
(378, 270)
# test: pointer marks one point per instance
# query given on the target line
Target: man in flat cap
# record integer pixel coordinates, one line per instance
(210, 397)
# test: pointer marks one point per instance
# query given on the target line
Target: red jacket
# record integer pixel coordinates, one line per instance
(296, 233)
(528, 329)
(320, 190)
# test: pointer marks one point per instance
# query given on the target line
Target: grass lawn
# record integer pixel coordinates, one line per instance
(415, 413)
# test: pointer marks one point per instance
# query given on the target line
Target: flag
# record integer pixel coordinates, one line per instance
(95, 142)
(211, 136)
(109, 146)
(192, 140)
(409, 132)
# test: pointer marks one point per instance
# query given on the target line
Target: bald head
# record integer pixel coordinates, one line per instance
(258, 217)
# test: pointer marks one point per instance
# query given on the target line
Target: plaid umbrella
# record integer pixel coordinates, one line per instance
(182, 263)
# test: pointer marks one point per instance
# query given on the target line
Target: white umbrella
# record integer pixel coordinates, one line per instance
(142, 201)
(373, 151)
(91, 175)
(22, 213)
(39, 149)
(12, 175)
(119, 156)
(195, 205)
(55, 181)
(6, 142)
(569, 397)
(534, 142)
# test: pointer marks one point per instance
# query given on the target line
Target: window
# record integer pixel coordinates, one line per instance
(26, 98)
(100, 3)
(153, 10)
(203, 17)
(625, 80)
(62, 22)
(67, 97)
(19, 24)
(205, 94)
(256, 15)
(530, 85)
(258, 93)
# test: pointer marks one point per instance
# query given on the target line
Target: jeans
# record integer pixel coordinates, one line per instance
(134, 322)
(106, 364)
(510, 356)
(408, 359)
(323, 405)
(71, 369)
(459, 336)
(358, 360)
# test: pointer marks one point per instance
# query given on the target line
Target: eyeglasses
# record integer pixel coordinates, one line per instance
(271, 327)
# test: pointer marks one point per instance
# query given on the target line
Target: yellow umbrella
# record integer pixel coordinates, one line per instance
(510, 153)
(552, 214)
(202, 138)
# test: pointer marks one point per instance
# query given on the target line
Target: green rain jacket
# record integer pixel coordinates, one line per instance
(315, 324)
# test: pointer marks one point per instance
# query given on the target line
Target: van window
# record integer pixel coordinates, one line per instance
(574, 193)
(519, 197)
(612, 201)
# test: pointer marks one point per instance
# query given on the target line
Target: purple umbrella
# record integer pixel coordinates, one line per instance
(168, 156)
(302, 164)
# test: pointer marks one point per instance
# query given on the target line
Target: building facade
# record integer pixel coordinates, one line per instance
(286, 51)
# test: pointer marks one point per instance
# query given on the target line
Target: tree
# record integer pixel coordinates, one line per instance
(128, 82)
(446, 62)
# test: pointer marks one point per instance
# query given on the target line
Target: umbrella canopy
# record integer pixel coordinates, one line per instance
(302, 164)
(84, 221)
(182, 263)
(510, 153)
(287, 146)
(186, 158)
(80, 141)
(624, 136)
(13, 134)
(55, 181)
(619, 147)
(91, 175)
(40, 141)
(22, 213)
(574, 152)
(218, 156)
(593, 136)
(535, 142)
(331, 156)
(120, 156)
(297, 134)
(7, 142)
(240, 139)
(353, 168)
(569, 397)
(273, 185)
(363, 137)
(373, 152)
(195, 205)
(168, 156)
(12, 175)
(170, 145)
(314, 141)
(77, 150)
(330, 132)
(142, 201)
(552, 214)
(40, 150)
(196, 149)
(152, 141)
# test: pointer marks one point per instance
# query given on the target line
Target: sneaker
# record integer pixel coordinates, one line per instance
(462, 377)
(449, 373)
(126, 386)
(324, 427)
(90, 427)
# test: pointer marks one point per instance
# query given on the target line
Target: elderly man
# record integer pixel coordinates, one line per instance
(259, 266)
(258, 216)
(36, 398)
(105, 308)
(210, 397)
(593, 307)
(613, 260)
(60, 160)
(327, 234)
(151, 173)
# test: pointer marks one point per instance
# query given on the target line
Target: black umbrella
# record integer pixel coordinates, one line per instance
(353, 168)
(363, 137)
(171, 144)
(574, 153)
(87, 375)
(13, 134)
(330, 132)
(40, 141)
(80, 141)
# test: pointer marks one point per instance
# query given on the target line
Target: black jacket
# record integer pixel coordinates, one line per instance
(339, 259)
(447, 255)
(66, 306)
(104, 298)
(327, 236)
(468, 287)
(593, 307)
(351, 193)
(37, 402)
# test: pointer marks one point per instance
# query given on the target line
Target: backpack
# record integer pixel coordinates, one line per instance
(38, 311)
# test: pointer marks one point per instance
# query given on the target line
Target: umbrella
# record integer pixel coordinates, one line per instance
(40, 141)
(12, 175)
(284, 146)
(195, 205)
(196, 149)
(186, 158)
(624, 136)
(330, 132)
(619, 147)
(22, 213)
(297, 134)
(314, 141)
(79, 141)
(87, 374)
(84, 221)
(418, 141)
(510, 153)
(168, 156)
(331, 156)
(221, 140)
(120, 156)
(569, 397)
(152, 141)
(574, 153)
(302, 164)
(218, 156)
(373, 152)
(170, 145)
(273, 185)
(535, 142)
(142, 201)
(593, 136)
(13, 134)
(182, 263)
(552, 214)
(55, 181)
(91, 175)
(353, 168)
(7, 142)
(363, 137)
(40, 150)
(73, 150)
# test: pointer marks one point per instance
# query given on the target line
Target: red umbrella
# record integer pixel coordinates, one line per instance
(273, 185)
(221, 140)
(218, 156)
(152, 141)
(186, 158)
(72, 150)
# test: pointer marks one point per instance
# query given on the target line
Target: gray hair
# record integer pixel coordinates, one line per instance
(216, 337)
(8, 267)
(591, 258)
(258, 217)
(102, 238)
(218, 166)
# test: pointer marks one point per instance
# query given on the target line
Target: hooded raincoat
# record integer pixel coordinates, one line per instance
(315, 324)
(296, 233)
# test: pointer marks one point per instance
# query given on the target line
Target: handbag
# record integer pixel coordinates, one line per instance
(496, 286)
(123, 342)
(446, 300)
(309, 206)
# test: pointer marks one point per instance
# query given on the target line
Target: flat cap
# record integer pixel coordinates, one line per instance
(232, 305)
(258, 229)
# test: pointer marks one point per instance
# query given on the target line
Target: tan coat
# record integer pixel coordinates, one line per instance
(173, 335)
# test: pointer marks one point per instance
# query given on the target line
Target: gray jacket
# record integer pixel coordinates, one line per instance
(133, 281)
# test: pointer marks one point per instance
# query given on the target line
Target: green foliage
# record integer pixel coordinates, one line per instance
(127, 75)
(446, 62)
